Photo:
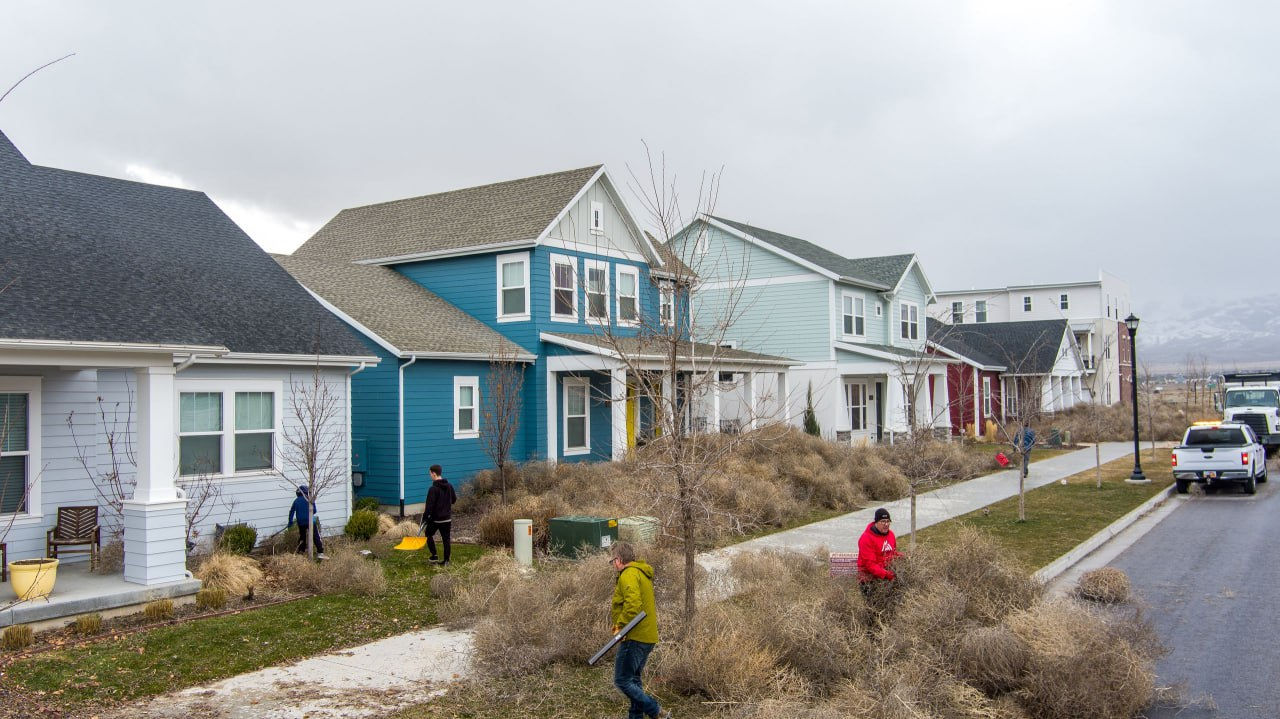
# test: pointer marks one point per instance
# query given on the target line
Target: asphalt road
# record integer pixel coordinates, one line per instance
(1211, 575)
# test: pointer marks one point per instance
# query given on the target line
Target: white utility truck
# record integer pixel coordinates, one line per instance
(1253, 398)
(1218, 453)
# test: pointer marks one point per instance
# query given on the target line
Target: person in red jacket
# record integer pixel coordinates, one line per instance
(877, 547)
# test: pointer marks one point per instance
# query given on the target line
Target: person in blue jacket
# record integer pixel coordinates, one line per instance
(301, 510)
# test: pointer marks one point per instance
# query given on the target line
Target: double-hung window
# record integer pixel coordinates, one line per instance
(628, 283)
(1026, 303)
(957, 313)
(19, 444)
(466, 401)
(1064, 302)
(223, 430)
(853, 315)
(986, 396)
(909, 320)
(564, 288)
(577, 418)
(667, 302)
(513, 287)
(980, 311)
(597, 290)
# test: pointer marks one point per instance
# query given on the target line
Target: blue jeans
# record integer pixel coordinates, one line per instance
(627, 667)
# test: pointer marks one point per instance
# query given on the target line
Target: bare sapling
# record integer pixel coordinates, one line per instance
(313, 447)
(502, 404)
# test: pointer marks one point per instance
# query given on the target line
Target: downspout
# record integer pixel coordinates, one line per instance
(350, 491)
(185, 364)
(412, 359)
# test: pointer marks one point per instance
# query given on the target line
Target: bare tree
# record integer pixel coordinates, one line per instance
(503, 403)
(313, 444)
(114, 476)
(203, 494)
(1096, 412)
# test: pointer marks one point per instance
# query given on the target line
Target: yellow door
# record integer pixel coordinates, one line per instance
(633, 408)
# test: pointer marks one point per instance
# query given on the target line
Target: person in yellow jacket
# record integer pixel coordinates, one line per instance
(632, 593)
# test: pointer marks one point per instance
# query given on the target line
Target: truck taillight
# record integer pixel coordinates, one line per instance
(1244, 459)
(1174, 458)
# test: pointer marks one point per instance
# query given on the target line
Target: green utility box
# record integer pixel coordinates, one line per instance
(567, 535)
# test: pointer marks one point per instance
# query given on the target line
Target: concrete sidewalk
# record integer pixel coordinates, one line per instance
(377, 678)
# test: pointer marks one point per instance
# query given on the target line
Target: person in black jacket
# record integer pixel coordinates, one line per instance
(438, 513)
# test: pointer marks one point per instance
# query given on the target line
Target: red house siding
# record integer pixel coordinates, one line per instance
(961, 382)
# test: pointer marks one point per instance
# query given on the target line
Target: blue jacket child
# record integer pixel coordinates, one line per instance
(301, 509)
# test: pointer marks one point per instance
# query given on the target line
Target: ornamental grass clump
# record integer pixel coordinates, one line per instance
(17, 636)
(234, 574)
(1107, 585)
(158, 610)
(211, 598)
(87, 624)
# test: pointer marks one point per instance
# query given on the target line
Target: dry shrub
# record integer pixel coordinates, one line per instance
(443, 585)
(211, 598)
(867, 468)
(974, 564)
(345, 572)
(87, 624)
(232, 573)
(1080, 665)
(385, 523)
(158, 610)
(496, 526)
(400, 530)
(1094, 423)
(992, 658)
(944, 461)
(1107, 585)
(722, 662)
(283, 542)
(17, 636)
(110, 558)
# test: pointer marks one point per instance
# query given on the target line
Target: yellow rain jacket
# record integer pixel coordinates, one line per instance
(633, 592)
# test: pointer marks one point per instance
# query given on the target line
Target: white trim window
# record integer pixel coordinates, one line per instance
(667, 302)
(628, 288)
(957, 313)
(1064, 302)
(980, 311)
(597, 284)
(466, 407)
(19, 445)
(909, 320)
(597, 218)
(577, 416)
(853, 315)
(986, 396)
(564, 289)
(227, 427)
(513, 287)
(1026, 303)
(855, 402)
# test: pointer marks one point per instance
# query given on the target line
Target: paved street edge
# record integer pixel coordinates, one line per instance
(1052, 570)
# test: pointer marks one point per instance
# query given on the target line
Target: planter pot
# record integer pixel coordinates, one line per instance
(33, 578)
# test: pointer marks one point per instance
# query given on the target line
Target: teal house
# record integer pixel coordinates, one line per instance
(857, 326)
(550, 274)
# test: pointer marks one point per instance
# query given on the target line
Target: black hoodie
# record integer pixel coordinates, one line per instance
(440, 499)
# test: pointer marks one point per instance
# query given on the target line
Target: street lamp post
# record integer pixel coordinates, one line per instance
(1131, 322)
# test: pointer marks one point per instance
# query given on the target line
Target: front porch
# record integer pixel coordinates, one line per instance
(78, 591)
(886, 392)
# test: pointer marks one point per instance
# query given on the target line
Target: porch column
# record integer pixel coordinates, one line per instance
(618, 411)
(752, 409)
(784, 406)
(553, 418)
(942, 402)
(978, 427)
(155, 522)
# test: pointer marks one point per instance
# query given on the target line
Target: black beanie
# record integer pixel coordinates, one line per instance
(882, 513)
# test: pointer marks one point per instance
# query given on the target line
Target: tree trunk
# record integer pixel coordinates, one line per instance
(1097, 460)
(1022, 484)
(687, 528)
(913, 517)
(311, 531)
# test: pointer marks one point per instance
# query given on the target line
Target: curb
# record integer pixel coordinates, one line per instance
(1057, 567)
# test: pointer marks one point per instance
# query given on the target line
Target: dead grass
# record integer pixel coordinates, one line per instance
(1090, 423)
(346, 571)
(234, 574)
(1106, 585)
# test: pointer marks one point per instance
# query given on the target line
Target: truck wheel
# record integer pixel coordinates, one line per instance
(1250, 485)
(1263, 477)
(1183, 485)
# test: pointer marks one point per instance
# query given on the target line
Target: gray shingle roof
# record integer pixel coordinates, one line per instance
(397, 309)
(1021, 347)
(904, 353)
(517, 210)
(644, 346)
(90, 258)
(882, 272)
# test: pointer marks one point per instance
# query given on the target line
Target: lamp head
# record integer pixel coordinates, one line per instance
(1131, 322)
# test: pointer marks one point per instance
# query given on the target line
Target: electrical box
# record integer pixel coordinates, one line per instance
(568, 535)
(359, 455)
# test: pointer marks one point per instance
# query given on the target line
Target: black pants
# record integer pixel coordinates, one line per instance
(430, 531)
(302, 538)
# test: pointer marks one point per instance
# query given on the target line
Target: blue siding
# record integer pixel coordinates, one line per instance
(601, 416)
(375, 418)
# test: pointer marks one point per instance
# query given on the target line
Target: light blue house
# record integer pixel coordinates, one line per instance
(856, 324)
(553, 267)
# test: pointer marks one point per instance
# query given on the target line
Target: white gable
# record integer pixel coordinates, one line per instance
(598, 222)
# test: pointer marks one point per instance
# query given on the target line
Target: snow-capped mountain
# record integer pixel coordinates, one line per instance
(1242, 333)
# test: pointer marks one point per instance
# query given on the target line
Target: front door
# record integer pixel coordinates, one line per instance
(632, 415)
(855, 402)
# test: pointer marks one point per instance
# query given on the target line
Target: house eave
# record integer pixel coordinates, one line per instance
(452, 252)
(46, 345)
(268, 358)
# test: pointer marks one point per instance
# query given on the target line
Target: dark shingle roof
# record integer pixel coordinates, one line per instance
(90, 258)
(671, 263)
(510, 211)
(883, 272)
(395, 308)
(657, 347)
(1021, 347)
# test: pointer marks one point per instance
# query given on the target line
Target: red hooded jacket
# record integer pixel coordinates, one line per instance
(875, 551)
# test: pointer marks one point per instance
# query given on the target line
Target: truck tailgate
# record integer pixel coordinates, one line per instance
(1194, 459)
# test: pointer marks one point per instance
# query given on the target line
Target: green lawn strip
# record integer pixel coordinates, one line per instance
(174, 657)
(1060, 517)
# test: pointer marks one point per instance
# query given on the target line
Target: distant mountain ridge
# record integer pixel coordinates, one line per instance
(1239, 334)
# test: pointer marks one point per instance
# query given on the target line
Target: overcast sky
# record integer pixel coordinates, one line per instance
(1005, 142)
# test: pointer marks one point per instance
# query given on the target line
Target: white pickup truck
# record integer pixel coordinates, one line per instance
(1218, 453)
(1253, 398)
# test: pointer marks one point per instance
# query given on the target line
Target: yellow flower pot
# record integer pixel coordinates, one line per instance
(33, 578)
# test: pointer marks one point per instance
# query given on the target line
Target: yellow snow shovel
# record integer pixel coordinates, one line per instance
(409, 544)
